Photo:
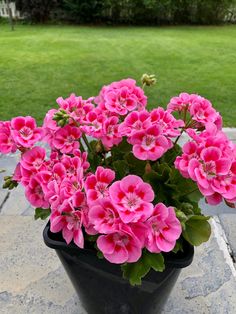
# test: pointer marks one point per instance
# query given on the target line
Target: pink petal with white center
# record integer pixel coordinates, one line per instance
(79, 238)
(140, 153)
(119, 256)
(214, 199)
(145, 192)
(67, 234)
(134, 253)
(116, 193)
(223, 166)
(193, 165)
(106, 244)
(201, 179)
(56, 223)
(210, 154)
(129, 183)
(164, 245)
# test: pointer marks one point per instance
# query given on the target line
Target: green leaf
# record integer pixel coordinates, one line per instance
(41, 213)
(178, 246)
(170, 156)
(186, 189)
(99, 253)
(136, 271)
(120, 150)
(121, 168)
(197, 230)
(155, 261)
(136, 166)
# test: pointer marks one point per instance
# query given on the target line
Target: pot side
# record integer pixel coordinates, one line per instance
(101, 288)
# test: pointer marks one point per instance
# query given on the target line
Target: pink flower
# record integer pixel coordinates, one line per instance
(96, 186)
(83, 157)
(70, 188)
(33, 159)
(120, 247)
(209, 166)
(104, 216)
(66, 139)
(135, 121)
(49, 126)
(77, 107)
(224, 185)
(149, 144)
(31, 163)
(181, 102)
(111, 135)
(7, 144)
(93, 124)
(163, 229)
(122, 97)
(25, 131)
(201, 111)
(72, 166)
(34, 192)
(69, 221)
(182, 162)
(132, 198)
(164, 119)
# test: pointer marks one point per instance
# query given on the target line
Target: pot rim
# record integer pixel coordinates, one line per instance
(177, 260)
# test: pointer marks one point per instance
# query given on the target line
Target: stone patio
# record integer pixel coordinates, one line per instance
(32, 279)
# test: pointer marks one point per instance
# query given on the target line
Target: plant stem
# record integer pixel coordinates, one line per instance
(87, 142)
(191, 192)
(83, 136)
(81, 146)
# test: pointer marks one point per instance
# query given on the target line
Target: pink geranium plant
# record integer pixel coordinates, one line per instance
(113, 177)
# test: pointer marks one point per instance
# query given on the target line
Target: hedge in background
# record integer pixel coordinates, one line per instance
(137, 12)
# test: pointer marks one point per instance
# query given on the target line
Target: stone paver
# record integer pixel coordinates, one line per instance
(32, 279)
(228, 222)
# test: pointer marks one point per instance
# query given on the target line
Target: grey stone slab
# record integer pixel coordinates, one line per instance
(208, 285)
(17, 204)
(213, 210)
(228, 222)
(4, 194)
(32, 279)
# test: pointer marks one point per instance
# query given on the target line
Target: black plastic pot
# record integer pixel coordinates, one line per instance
(100, 285)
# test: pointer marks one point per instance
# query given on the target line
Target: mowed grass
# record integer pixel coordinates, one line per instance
(40, 63)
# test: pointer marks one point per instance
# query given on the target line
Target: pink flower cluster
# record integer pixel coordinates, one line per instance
(99, 121)
(210, 160)
(58, 184)
(123, 215)
(150, 133)
(122, 97)
(19, 133)
(200, 109)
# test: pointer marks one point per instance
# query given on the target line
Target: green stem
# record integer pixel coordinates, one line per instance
(81, 146)
(190, 192)
(87, 142)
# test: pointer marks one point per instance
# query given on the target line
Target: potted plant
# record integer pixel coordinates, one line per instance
(120, 193)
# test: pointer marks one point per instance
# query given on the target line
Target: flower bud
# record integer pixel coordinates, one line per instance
(61, 117)
(148, 168)
(9, 183)
(99, 147)
(148, 80)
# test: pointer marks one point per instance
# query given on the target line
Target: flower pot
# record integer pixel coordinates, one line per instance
(100, 285)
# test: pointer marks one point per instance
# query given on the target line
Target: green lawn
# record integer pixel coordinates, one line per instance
(40, 63)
